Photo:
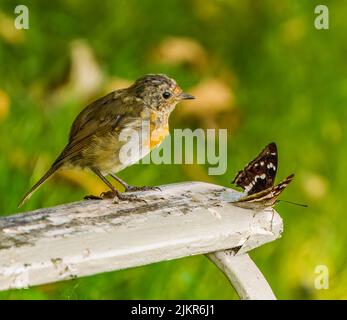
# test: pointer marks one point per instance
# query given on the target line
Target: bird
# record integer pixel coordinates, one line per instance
(96, 140)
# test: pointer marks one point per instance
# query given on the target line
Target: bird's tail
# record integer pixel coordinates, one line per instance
(53, 169)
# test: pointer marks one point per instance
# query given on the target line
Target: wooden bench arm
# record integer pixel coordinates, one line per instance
(90, 237)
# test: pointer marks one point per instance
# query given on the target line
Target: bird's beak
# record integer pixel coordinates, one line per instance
(185, 96)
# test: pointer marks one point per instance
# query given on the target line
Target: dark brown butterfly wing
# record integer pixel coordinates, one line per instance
(260, 173)
(264, 198)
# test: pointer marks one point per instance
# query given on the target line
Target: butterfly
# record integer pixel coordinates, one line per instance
(257, 180)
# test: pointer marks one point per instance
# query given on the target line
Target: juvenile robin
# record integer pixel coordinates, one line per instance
(95, 140)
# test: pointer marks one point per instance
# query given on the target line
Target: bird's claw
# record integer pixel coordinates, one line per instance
(118, 197)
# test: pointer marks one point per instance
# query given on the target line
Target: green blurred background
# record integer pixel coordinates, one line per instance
(258, 68)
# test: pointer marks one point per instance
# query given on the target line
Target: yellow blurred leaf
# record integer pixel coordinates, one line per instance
(214, 105)
(42, 164)
(197, 172)
(175, 50)
(19, 159)
(212, 96)
(8, 32)
(85, 76)
(4, 105)
(85, 73)
(116, 83)
(332, 130)
(37, 167)
(91, 183)
(315, 186)
(207, 10)
(293, 30)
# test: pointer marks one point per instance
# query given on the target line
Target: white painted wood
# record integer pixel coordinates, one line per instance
(89, 237)
(243, 274)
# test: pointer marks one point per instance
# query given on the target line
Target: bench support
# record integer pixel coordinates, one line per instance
(243, 274)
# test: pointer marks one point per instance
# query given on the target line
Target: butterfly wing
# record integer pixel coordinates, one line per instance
(260, 173)
(264, 198)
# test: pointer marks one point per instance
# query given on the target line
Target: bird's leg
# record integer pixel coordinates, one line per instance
(113, 193)
(129, 188)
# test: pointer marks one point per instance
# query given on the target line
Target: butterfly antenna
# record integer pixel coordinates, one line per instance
(297, 204)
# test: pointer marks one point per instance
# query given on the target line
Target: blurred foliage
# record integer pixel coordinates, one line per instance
(259, 68)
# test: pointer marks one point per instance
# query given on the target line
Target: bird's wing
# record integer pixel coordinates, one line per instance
(88, 114)
(103, 116)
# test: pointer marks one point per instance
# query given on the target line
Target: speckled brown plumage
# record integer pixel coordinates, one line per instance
(94, 136)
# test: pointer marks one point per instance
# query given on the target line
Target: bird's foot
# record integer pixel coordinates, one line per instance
(118, 197)
(143, 188)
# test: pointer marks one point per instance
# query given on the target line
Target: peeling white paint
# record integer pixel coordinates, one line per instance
(91, 237)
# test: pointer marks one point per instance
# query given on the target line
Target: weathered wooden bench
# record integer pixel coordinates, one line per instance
(89, 237)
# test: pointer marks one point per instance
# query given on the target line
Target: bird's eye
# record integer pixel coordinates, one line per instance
(166, 95)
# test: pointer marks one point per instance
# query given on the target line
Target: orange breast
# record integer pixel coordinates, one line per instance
(157, 136)
(159, 129)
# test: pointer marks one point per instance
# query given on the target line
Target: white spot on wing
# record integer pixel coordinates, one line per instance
(256, 178)
(249, 187)
(271, 165)
(263, 176)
